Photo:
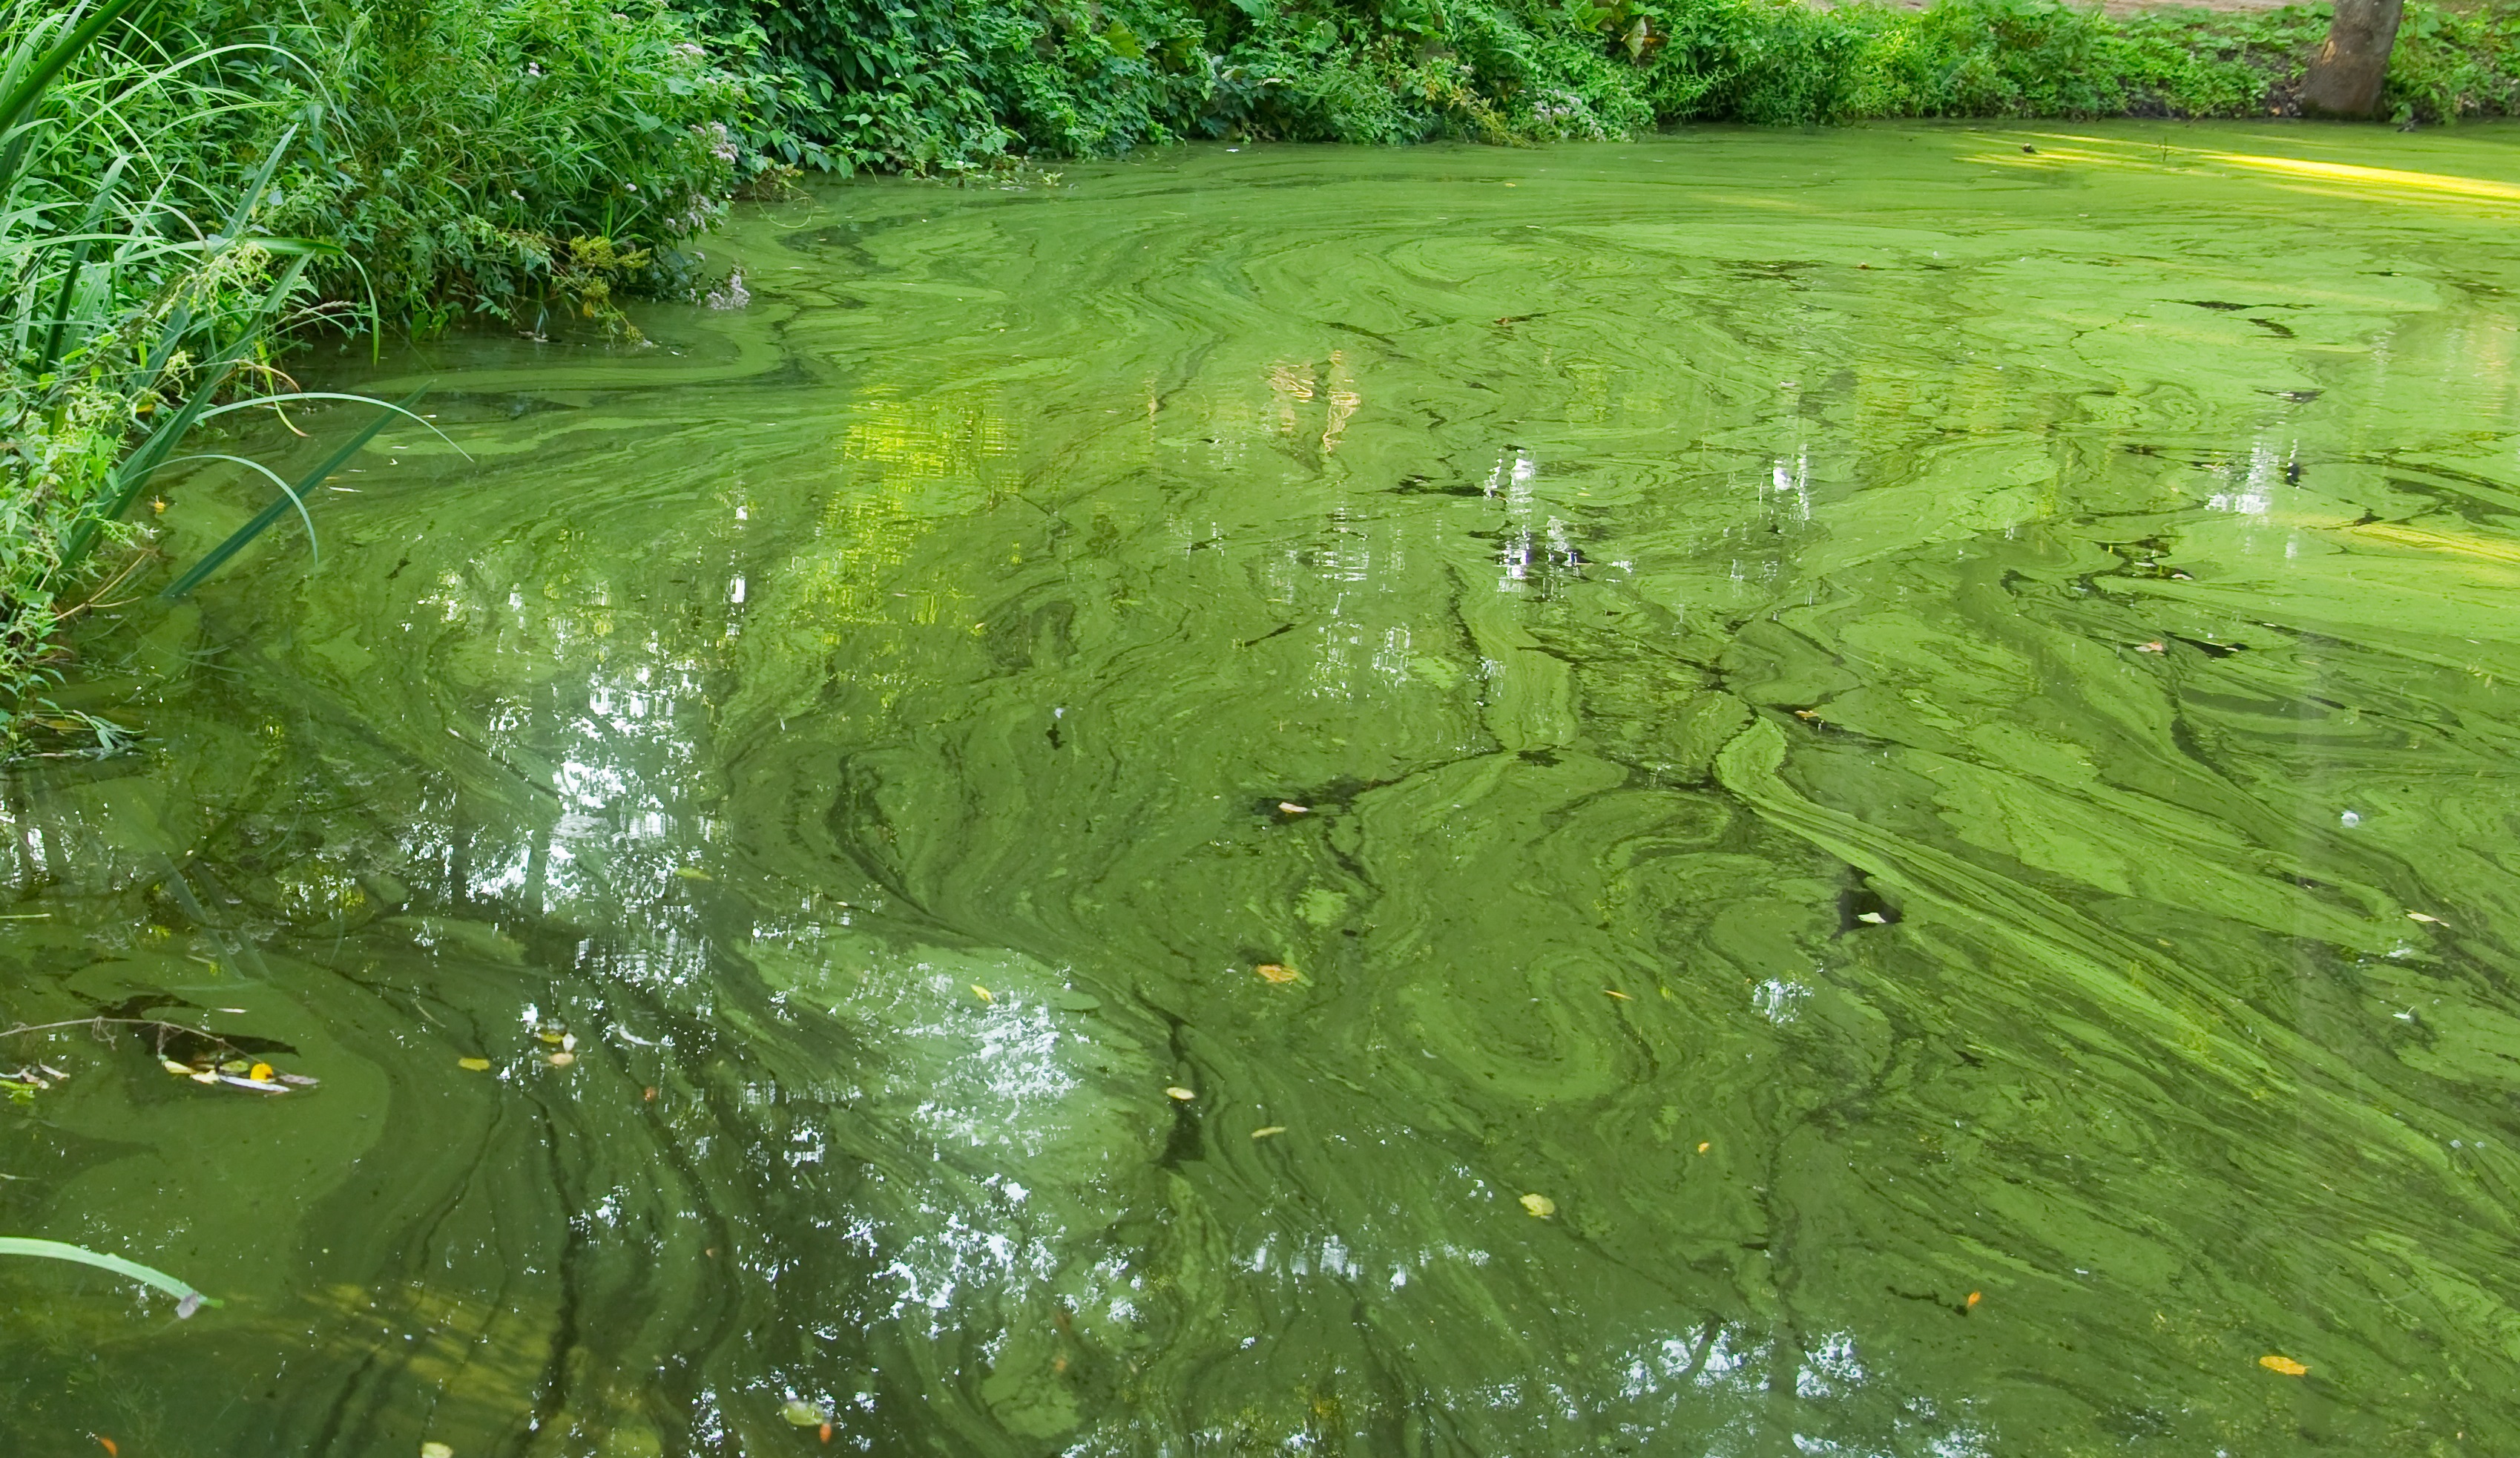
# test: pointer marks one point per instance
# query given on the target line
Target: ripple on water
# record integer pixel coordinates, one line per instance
(1879, 827)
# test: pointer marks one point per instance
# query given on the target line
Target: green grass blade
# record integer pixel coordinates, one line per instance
(77, 271)
(49, 353)
(129, 477)
(236, 539)
(282, 398)
(268, 475)
(29, 87)
(261, 183)
(123, 487)
(187, 1300)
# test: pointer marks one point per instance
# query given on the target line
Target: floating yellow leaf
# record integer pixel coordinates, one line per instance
(981, 992)
(1541, 1205)
(1263, 1133)
(476, 1065)
(1274, 972)
(1615, 992)
(1176, 1091)
(2429, 921)
(693, 873)
(800, 1413)
(562, 1060)
(1705, 1145)
(172, 1067)
(2285, 1365)
(435, 1450)
(1289, 808)
(260, 1073)
(1971, 1303)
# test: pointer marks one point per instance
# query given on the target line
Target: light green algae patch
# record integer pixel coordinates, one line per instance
(1744, 793)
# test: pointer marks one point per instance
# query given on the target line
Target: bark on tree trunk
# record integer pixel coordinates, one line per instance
(2345, 75)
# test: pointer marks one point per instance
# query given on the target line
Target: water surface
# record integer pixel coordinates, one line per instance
(1907, 727)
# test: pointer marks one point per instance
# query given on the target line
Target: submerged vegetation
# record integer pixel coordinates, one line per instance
(196, 184)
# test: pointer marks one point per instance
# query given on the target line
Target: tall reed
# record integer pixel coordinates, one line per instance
(130, 314)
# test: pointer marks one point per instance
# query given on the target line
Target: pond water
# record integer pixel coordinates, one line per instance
(1747, 794)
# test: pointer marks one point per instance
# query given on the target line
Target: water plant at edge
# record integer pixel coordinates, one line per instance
(187, 1299)
(127, 323)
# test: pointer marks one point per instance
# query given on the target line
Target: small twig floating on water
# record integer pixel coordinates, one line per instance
(218, 1062)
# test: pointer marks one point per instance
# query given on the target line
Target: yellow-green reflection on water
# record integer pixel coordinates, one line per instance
(1910, 733)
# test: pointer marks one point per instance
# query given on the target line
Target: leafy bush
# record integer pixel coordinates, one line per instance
(494, 154)
(2450, 63)
(845, 84)
(497, 158)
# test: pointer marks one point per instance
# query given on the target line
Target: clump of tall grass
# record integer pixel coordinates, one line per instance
(517, 162)
(128, 317)
(503, 155)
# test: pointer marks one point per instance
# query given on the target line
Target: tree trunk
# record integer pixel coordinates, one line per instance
(2345, 75)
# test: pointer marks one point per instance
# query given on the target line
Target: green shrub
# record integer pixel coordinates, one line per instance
(845, 84)
(498, 157)
(2450, 63)
(493, 155)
